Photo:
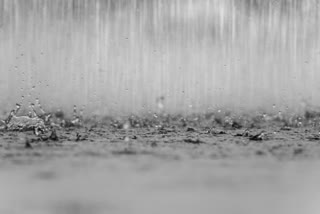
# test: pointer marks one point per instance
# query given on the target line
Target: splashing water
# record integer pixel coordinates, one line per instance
(118, 56)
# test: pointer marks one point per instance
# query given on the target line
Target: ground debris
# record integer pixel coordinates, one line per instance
(53, 136)
(314, 137)
(285, 128)
(215, 131)
(80, 137)
(258, 137)
(190, 129)
(194, 141)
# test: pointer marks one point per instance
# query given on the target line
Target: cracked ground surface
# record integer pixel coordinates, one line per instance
(170, 170)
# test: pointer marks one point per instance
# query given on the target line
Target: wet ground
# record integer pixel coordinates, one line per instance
(174, 167)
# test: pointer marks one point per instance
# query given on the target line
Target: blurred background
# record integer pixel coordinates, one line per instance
(117, 57)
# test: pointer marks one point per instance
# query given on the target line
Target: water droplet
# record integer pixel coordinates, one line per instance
(74, 109)
(160, 102)
(126, 125)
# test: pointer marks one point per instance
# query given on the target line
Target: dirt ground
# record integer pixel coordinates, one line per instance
(106, 169)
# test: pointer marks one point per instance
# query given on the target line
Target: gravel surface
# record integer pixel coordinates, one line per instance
(107, 169)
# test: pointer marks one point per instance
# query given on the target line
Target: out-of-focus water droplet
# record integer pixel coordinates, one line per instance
(160, 104)
(126, 125)
(81, 112)
(74, 110)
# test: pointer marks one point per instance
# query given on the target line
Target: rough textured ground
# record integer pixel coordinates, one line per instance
(178, 169)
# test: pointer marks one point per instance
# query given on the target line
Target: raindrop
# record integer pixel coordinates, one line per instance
(74, 111)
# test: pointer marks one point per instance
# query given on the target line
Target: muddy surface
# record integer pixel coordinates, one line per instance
(110, 168)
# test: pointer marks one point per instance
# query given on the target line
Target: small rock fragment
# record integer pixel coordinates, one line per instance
(190, 129)
(193, 141)
(53, 136)
(258, 137)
